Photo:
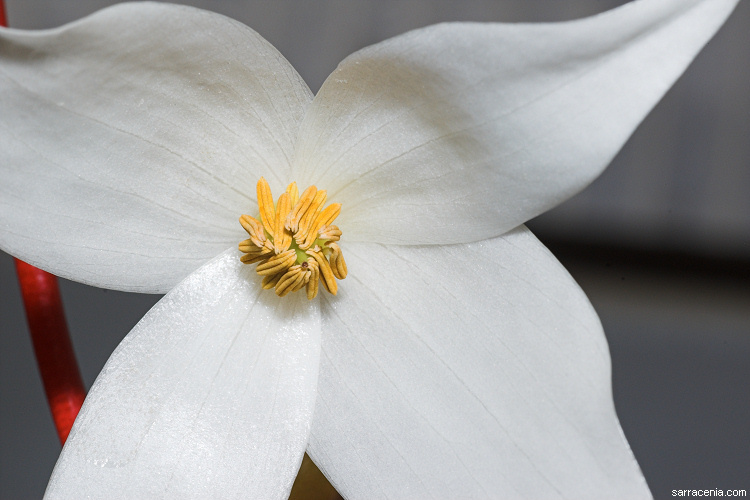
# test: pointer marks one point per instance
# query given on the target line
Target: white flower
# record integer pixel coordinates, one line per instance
(458, 359)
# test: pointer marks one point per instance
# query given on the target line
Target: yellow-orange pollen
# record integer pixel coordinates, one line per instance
(294, 243)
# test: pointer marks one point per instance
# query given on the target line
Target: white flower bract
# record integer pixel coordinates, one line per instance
(458, 359)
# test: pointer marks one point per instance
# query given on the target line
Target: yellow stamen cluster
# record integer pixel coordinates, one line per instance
(294, 243)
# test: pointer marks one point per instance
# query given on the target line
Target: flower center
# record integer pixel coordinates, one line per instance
(294, 243)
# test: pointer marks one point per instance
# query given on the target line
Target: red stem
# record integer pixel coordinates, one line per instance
(52, 345)
(49, 334)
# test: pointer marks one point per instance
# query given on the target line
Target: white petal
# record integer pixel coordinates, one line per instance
(467, 371)
(210, 396)
(460, 132)
(132, 140)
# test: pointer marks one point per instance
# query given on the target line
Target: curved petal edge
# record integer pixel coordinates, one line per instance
(211, 395)
(131, 141)
(459, 132)
(467, 371)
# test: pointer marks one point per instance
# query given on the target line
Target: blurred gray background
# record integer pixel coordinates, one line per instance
(660, 243)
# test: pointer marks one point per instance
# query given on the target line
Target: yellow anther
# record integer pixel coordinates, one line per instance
(300, 208)
(312, 285)
(265, 203)
(291, 279)
(254, 229)
(309, 216)
(252, 259)
(294, 241)
(282, 237)
(301, 284)
(249, 247)
(329, 233)
(338, 265)
(324, 218)
(326, 274)
(270, 281)
(255, 254)
(277, 263)
(293, 192)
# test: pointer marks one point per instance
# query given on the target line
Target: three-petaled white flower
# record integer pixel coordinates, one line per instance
(458, 359)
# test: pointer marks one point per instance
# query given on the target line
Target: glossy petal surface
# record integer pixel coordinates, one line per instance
(459, 132)
(210, 396)
(467, 371)
(132, 141)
